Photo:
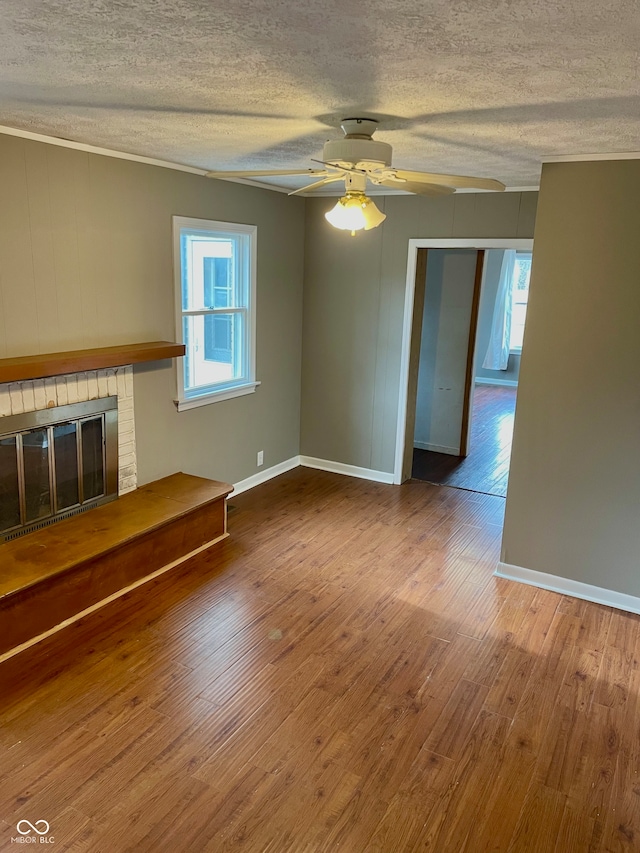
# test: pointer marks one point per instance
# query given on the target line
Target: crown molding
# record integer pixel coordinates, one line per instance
(94, 149)
(534, 188)
(582, 158)
(125, 155)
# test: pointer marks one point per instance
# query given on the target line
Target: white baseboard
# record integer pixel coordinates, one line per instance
(511, 383)
(437, 448)
(349, 470)
(310, 462)
(263, 476)
(567, 586)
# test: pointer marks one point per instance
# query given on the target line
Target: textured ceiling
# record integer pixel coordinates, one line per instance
(481, 87)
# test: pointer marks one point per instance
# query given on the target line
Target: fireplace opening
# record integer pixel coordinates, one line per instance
(57, 462)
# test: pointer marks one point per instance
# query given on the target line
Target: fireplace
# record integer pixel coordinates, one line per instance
(68, 459)
(56, 462)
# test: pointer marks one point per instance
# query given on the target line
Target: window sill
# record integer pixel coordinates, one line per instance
(216, 396)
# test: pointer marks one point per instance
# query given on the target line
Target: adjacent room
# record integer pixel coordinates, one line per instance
(469, 361)
(259, 268)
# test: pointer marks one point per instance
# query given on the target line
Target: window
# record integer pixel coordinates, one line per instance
(215, 276)
(519, 296)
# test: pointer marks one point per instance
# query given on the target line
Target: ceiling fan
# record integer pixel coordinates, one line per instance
(356, 159)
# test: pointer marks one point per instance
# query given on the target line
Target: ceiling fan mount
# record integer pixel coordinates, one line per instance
(358, 145)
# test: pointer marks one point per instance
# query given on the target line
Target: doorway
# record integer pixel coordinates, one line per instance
(479, 461)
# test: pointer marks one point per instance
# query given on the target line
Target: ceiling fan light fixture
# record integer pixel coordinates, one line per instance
(355, 212)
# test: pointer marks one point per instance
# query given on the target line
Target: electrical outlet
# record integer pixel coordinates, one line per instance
(260, 458)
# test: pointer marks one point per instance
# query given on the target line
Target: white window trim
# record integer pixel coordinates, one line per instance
(249, 384)
(216, 396)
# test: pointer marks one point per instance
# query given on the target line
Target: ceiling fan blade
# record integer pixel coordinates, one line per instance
(265, 173)
(457, 181)
(417, 188)
(328, 180)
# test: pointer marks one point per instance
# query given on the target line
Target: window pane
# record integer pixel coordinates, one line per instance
(9, 497)
(92, 459)
(66, 456)
(218, 338)
(218, 283)
(216, 347)
(209, 269)
(35, 452)
(520, 296)
(517, 326)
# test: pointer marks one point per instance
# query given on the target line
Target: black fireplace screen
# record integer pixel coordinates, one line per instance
(56, 462)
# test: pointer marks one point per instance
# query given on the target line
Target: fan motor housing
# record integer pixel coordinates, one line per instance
(353, 151)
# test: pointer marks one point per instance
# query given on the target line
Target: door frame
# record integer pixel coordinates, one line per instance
(525, 245)
(467, 405)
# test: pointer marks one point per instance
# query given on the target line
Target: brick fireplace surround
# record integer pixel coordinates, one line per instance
(33, 383)
(32, 395)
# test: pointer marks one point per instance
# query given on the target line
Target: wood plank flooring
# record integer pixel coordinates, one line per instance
(344, 674)
(486, 468)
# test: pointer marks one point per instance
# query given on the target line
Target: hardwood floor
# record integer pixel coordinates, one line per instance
(486, 468)
(343, 674)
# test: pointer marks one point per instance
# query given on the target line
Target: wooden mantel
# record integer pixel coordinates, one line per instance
(77, 361)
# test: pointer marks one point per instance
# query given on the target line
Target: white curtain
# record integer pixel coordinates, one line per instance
(497, 356)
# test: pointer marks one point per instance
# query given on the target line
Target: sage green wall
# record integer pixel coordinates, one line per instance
(86, 261)
(353, 314)
(573, 501)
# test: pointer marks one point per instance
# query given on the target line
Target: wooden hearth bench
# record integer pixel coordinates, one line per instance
(50, 576)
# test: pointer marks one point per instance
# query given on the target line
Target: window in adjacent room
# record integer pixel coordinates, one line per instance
(520, 296)
(215, 276)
